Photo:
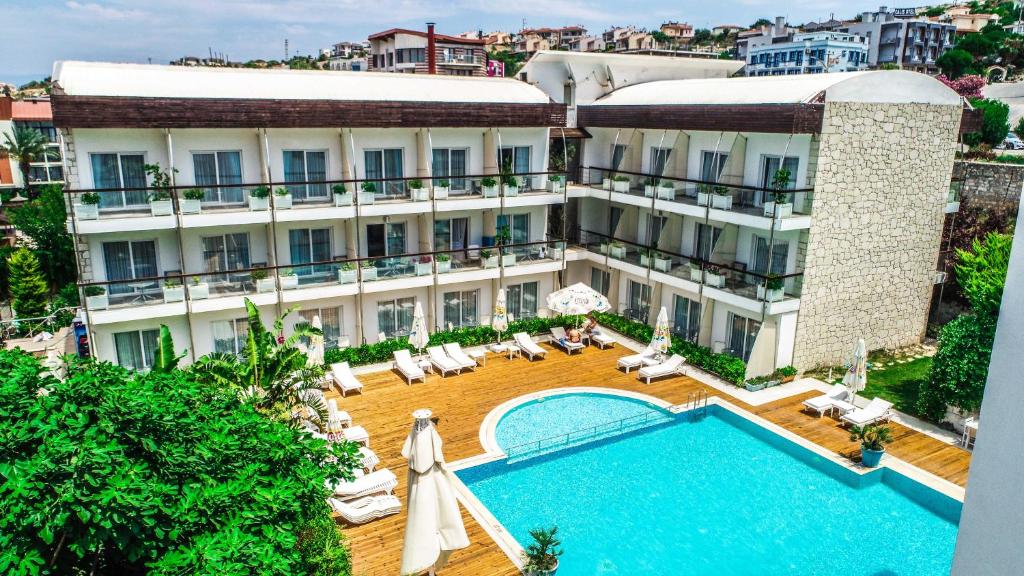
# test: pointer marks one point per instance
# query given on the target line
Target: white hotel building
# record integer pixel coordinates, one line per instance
(852, 251)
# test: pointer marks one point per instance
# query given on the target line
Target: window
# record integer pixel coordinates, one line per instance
(450, 164)
(45, 174)
(394, 317)
(600, 280)
(410, 55)
(705, 238)
(659, 160)
(309, 167)
(120, 171)
(226, 252)
(614, 216)
(618, 154)
(568, 95)
(129, 261)
(229, 336)
(385, 239)
(332, 319)
(655, 226)
(518, 226)
(308, 245)
(759, 254)
(515, 159)
(383, 165)
(45, 128)
(770, 165)
(522, 300)
(639, 305)
(712, 164)
(742, 333)
(136, 349)
(460, 308)
(451, 234)
(687, 318)
(219, 168)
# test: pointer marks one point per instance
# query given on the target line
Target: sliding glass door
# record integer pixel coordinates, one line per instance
(394, 317)
(116, 170)
(216, 169)
(136, 349)
(308, 245)
(125, 261)
(687, 318)
(450, 164)
(460, 308)
(742, 334)
(382, 165)
(310, 167)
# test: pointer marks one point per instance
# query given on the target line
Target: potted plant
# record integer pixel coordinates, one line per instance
(666, 190)
(489, 258)
(703, 194)
(695, 273)
(489, 187)
(368, 193)
(646, 255)
(173, 291)
(508, 258)
(755, 384)
(441, 189)
(369, 270)
(720, 198)
(96, 298)
(713, 276)
(606, 183)
(510, 185)
(617, 250)
(444, 263)
(873, 439)
(192, 201)
(603, 247)
(778, 207)
(786, 374)
(199, 290)
(662, 262)
(160, 202)
(417, 193)
(540, 558)
(263, 283)
(555, 183)
(620, 183)
(423, 266)
(289, 279)
(347, 273)
(649, 185)
(771, 290)
(282, 198)
(342, 197)
(89, 209)
(259, 198)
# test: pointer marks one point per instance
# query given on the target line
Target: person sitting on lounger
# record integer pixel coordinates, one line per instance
(574, 336)
(590, 326)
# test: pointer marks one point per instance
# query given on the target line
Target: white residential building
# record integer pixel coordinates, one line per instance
(809, 53)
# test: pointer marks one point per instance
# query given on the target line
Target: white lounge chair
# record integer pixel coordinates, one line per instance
(561, 339)
(344, 378)
(528, 346)
(673, 365)
(827, 401)
(363, 510)
(336, 419)
(455, 352)
(382, 481)
(877, 410)
(602, 340)
(405, 364)
(442, 362)
(640, 360)
(356, 434)
(369, 458)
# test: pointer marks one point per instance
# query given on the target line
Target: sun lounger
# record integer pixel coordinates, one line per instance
(561, 339)
(877, 410)
(455, 352)
(442, 362)
(382, 481)
(645, 358)
(827, 401)
(602, 340)
(336, 419)
(673, 365)
(363, 510)
(344, 378)
(356, 434)
(528, 346)
(405, 364)
(369, 458)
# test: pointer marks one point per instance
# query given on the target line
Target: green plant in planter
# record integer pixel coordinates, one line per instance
(780, 182)
(416, 184)
(488, 182)
(485, 254)
(369, 264)
(160, 181)
(542, 554)
(555, 178)
(281, 191)
(504, 236)
(786, 371)
(650, 181)
(94, 290)
(288, 272)
(196, 280)
(443, 183)
(258, 275)
(871, 437)
(260, 192)
(774, 282)
(620, 178)
(704, 188)
(91, 198)
(443, 257)
(369, 187)
(508, 180)
(171, 283)
(348, 266)
(720, 190)
(339, 189)
(193, 194)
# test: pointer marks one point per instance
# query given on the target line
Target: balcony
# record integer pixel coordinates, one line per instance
(460, 60)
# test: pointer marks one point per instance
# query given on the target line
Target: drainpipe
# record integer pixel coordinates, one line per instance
(179, 226)
(431, 47)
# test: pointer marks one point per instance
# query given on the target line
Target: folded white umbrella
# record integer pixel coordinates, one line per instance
(315, 355)
(499, 320)
(661, 340)
(856, 377)
(418, 335)
(434, 527)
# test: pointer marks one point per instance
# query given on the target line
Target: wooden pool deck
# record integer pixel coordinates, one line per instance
(461, 402)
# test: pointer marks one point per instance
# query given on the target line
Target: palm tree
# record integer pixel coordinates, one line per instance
(270, 372)
(26, 146)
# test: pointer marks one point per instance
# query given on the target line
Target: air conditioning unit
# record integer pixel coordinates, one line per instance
(940, 277)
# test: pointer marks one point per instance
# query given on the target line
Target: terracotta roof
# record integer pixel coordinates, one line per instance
(438, 37)
(31, 110)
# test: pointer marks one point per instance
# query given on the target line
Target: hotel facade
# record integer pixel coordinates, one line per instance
(355, 196)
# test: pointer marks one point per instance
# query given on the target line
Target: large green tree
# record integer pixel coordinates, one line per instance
(25, 146)
(956, 63)
(44, 221)
(995, 123)
(117, 472)
(27, 285)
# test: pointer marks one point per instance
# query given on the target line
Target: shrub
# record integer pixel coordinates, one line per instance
(339, 189)
(995, 123)
(260, 192)
(193, 194)
(28, 287)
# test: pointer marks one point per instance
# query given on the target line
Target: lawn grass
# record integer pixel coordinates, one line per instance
(899, 383)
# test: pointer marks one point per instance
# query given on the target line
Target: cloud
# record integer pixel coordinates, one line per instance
(93, 9)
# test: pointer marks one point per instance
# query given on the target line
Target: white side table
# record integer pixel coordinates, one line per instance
(514, 351)
(426, 365)
(479, 356)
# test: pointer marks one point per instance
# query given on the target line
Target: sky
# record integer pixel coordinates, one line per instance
(38, 32)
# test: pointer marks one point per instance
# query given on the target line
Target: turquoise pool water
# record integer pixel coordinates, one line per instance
(715, 495)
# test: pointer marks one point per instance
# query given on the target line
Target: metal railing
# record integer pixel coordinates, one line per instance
(591, 433)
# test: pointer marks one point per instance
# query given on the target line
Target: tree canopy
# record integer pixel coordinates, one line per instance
(995, 123)
(44, 221)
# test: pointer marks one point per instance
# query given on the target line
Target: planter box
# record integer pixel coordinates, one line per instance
(491, 262)
(289, 281)
(440, 192)
(283, 202)
(259, 204)
(703, 198)
(161, 207)
(753, 387)
(367, 197)
(87, 211)
(100, 302)
(511, 191)
(666, 193)
(618, 252)
(423, 268)
(444, 267)
(603, 248)
(606, 183)
(190, 206)
(508, 260)
(721, 202)
(773, 295)
(621, 186)
(490, 191)
(695, 275)
(557, 253)
(648, 191)
(714, 280)
(419, 194)
(662, 264)
(555, 186)
(265, 285)
(347, 276)
(645, 260)
(369, 273)
(174, 294)
(788, 379)
(343, 199)
(784, 210)
(199, 291)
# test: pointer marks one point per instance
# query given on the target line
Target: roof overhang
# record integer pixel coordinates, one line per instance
(769, 118)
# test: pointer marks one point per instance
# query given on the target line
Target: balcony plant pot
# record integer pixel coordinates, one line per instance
(369, 273)
(423, 268)
(703, 198)
(770, 295)
(289, 281)
(556, 253)
(100, 302)
(721, 201)
(200, 291)
(537, 572)
(617, 251)
(870, 458)
(265, 285)
(603, 248)
(343, 199)
(511, 191)
(347, 276)
(161, 207)
(785, 210)
(490, 191)
(752, 387)
(174, 294)
(662, 264)
(645, 260)
(440, 192)
(283, 201)
(259, 204)
(366, 198)
(508, 260)
(606, 183)
(556, 187)
(87, 211)
(695, 274)
(444, 266)
(621, 186)
(713, 279)
(419, 194)
(190, 206)
(666, 193)
(648, 191)
(491, 261)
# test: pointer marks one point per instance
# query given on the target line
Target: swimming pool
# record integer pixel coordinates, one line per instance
(714, 495)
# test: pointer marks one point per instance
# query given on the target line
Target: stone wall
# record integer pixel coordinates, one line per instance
(987, 183)
(879, 192)
(72, 181)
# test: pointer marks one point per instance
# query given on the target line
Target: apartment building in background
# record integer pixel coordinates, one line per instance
(809, 53)
(748, 40)
(679, 32)
(667, 205)
(415, 52)
(965, 21)
(35, 114)
(902, 38)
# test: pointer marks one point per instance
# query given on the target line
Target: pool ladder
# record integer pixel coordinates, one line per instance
(697, 403)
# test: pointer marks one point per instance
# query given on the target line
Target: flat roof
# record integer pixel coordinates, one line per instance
(159, 81)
